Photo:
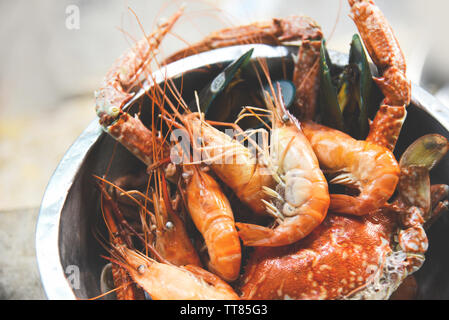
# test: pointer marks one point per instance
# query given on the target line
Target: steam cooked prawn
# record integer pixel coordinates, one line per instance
(171, 239)
(164, 229)
(212, 214)
(126, 290)
(233, 163)
(368, 165)
(209, 209)
(161, 280)
(168, 282)
(350, 257)
(301, 197)
(116, 91)
(371, 168)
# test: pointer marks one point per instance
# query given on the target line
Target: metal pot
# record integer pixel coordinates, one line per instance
(68, 255)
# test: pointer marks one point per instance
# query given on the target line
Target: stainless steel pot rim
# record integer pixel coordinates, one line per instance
(53, 277)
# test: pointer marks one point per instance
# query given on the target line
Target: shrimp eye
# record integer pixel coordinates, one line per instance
(169, 225)
(141, 269)
(285, 118)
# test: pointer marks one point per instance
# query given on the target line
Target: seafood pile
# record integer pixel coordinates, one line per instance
(285, 190)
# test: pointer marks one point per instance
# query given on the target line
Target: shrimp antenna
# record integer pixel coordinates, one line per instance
(337, 19)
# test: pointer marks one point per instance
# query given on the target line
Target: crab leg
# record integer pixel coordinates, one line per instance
(117, 91)
(272, 32)
(275, 32)
(386, 53)
(306, 77)
(418, 202)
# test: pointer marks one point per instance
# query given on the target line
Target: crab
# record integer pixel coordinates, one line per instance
(352, 257)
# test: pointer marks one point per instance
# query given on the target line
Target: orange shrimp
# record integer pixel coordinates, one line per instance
(371, 168)
(233, 163)
(165, 231)
(212, 214)
(301, 199)
(124, 75)
(168, 282)
(161, 280)
(171, 240)
(127, 290)
(118, 89)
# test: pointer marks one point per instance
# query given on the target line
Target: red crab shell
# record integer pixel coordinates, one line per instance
(337, 258)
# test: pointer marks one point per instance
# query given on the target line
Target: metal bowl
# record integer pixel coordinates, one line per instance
(68, 255)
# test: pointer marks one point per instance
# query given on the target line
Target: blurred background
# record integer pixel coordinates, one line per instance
(56, 52)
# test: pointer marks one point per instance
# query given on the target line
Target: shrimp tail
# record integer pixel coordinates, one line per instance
(288, 232)
(254, 235)
(366, 203)
(208, 277)
(341, 203)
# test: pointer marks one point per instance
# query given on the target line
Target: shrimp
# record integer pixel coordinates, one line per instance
(124, 74)
(233, 163)
(126, 289)
(212, 214)
(368, 165)
(371, 168)
(171, 239)
(168, 282)
(301, 199)
(210, 211)
(117, 90)
(166, 232)
(161, 280)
